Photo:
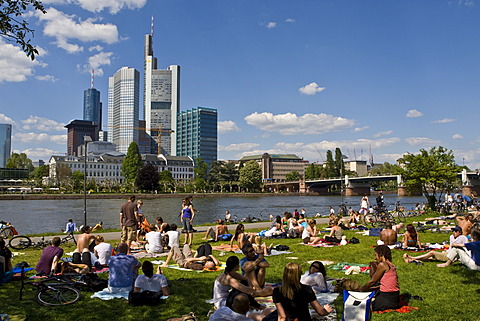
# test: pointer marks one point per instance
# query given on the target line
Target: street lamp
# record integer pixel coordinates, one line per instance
(86, 140)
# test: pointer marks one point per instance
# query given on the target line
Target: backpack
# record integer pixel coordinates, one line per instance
(354, 240)
(293, 233)
(282, 247)
(94, 282)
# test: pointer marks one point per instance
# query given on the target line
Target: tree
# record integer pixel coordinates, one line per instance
(20, 161)
(293, 176)
(433, 171)
(330, 165)
(40, 172)
(166, 179)
(250, 176)
(312, 171)
(132, 163)
(339, 165)
(77, 180)
(201, 169)
(12, 28)
(63, 174)
(147, 178)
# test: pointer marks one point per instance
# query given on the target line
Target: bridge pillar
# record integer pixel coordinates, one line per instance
(302, 187)
(357, 190)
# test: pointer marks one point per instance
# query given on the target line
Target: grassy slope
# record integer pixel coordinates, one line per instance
(449, 294)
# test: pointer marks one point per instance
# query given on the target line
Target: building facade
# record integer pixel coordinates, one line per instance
(92, 107)
(5, 143)
(161, 102)
(181, 167)
(197, 134)
(77, 130)
(276, 166)
(101, 168)
(123, 108)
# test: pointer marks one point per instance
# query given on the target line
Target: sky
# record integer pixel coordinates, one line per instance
(300, 77)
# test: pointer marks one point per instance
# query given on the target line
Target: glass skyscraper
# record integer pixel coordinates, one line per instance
(197, 134)
(92, 107)
(123, 108)
(5, 143)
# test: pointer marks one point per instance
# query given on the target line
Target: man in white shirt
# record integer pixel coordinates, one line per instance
(240, 307)
(173, 236)
(102, 250)
(154, 242)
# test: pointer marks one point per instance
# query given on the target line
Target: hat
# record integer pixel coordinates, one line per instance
(457, 229)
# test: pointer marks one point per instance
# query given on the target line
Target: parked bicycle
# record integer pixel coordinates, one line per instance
(7, 230)
(21, 242)
(379, 218)
(397, 211)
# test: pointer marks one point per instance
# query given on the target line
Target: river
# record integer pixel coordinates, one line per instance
(41, 216)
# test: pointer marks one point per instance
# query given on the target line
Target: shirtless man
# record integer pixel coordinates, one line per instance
(220, 229)
(185, 259)
(388, 235)
(465, 223)
(82, 254)
(254, 266)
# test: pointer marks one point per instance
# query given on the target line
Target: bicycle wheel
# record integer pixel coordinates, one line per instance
(398, 216)
(20, 242)
(6, 232)
(57, 295)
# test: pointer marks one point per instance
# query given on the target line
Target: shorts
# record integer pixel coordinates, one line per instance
(129, 233)
(187, 226)
(83, 258)
(440, 256)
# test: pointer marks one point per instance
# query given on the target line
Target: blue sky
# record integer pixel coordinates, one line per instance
(296, 77)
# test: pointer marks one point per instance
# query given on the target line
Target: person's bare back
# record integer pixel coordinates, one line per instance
(388, 236)
(84, 239)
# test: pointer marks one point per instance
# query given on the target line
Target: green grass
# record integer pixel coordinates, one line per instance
(448, 294)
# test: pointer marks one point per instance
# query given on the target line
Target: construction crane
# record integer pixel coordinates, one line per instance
(158, 130)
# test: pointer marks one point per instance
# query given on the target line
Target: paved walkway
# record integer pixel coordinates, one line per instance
(112, 236)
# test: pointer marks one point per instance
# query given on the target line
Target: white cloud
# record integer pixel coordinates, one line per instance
(291, 124)
(6, 120)
(421, 141)
(46, 78)
(311, 89)
(15, 66)
(65, 27)
(359, 129)
(443, 121)
(37, 138)
(384, 133)
(457, 136)
(466, 3)
(113, 6)
(95, 48)
(40, 153)
(271, 25)
(412, 113)
(391, 158)
(96, 61)
(42, 124)
(290, 20)
(227, 126)
(240, 147)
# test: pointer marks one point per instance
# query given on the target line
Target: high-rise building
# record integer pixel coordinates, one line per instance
(92, 107)
(123, 108)
(161, 102)
(5, 143)
(77, 130)
(197, 134)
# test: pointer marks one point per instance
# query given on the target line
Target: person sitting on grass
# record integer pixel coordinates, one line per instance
(254, 266)
(336, 233)
(466, 223)
(7, 256)
(240, 236)
(219, 230)
(316, 277)
(411, 238)
(154, 242)
(309, 234)
(384, 272)
(470, 259)
(203, 259)
(456, 237)
(50, 260)
(388, 236)
(82, 254)
(102, 250)
(238, 311)
(262, 247)
(123, 269)
(172, 235)
(149, 287)
(160, 225)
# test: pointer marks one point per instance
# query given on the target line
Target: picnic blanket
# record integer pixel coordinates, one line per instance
(343, 266)
(235, 249)
(403, 309)
(106, 294)
(145, 254)
(176, 267)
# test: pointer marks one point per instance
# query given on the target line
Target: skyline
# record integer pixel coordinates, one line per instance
(285, 77)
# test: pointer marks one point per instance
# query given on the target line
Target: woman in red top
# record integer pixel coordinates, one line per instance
(384, 280)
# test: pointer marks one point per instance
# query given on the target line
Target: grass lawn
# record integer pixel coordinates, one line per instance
(451, 293)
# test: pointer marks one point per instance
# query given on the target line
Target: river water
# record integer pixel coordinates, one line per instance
(40, 216)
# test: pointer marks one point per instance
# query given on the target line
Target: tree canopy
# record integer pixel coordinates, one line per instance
(132, 163)
(14, 28)
(433, 171)
(293, 176)
(19, 161)
(250, 176)
(147, 178)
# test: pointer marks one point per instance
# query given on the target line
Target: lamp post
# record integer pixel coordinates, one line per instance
(86, 140)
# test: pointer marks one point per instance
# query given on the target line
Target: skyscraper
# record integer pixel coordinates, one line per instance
(197, 134)
(123, 108)
(77, 130)
(5, 143)
(92, 107)
(161, 101)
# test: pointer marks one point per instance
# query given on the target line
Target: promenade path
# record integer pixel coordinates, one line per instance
(112, 236)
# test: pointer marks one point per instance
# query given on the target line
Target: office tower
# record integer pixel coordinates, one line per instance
(92, 107)
(77, 130)
(161, 102)
(123, 108)
(197, 134)
(5, 143)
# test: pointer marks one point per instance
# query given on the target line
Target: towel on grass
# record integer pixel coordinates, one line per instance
(346, 266)
(176, 267)
(404, 309)
(145, 254)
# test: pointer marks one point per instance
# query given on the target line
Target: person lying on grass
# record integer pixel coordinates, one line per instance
(203, 259)
(469, 259)
(456, 237)
(384, 272)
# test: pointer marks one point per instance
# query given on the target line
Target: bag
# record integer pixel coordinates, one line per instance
(354, 240)
(144, 298)
(94, 282)
(282, 247)
(225, 237)
(293, 233)
(357, 306)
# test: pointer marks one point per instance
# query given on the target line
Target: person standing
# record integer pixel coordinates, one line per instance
(128, 221)
(364, 204)
(187, 216)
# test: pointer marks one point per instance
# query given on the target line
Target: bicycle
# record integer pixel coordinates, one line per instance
(379, 218)
(69, 237)
(398, 212)
(21, 242)
(54, 290)
(6, 230)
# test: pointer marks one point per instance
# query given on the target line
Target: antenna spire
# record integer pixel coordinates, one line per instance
(92, 82)
(151, 28)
